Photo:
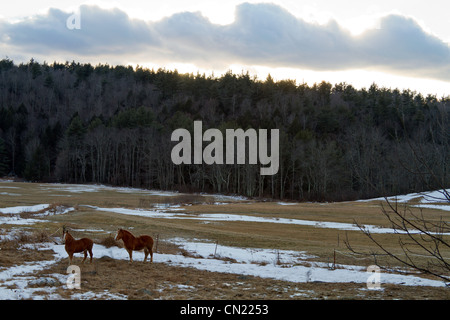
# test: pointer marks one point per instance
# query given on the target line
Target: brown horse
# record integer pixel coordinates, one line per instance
(136, 243)
(74, 246)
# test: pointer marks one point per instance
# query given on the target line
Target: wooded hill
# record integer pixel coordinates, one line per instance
(78, 123)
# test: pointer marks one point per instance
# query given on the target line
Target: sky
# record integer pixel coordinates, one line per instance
(395, 44)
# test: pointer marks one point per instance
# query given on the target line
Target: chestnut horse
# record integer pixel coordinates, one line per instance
(74, 246)
(136, 243)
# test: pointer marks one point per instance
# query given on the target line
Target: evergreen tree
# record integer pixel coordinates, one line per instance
(80, 123)
(37, 167)
(3, 158)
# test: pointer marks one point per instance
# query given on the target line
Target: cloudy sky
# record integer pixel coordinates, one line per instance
(394, 43)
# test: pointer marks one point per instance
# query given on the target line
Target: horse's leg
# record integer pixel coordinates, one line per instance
(70, 258)
(130, 252)
(146, 254)
(151, 255)
(90, 254)
(85, 255)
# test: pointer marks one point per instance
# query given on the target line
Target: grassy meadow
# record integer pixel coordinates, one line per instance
(164, 281)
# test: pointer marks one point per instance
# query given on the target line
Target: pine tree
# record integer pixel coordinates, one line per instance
(37, 167)
(3, 158)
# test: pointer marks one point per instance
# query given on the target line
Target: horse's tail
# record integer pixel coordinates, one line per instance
(151, 243)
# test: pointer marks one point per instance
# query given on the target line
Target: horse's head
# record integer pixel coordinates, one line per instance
(65, 232)
(119, 234)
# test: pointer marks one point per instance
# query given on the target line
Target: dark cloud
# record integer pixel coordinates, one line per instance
(263, 34)
(269, 34)
(401, 44)
(101, 32)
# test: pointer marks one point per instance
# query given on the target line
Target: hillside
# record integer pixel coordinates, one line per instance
(78, 123)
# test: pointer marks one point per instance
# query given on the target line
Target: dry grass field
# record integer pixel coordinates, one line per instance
(171, 216)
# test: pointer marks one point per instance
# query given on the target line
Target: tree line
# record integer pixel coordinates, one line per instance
(79, 123)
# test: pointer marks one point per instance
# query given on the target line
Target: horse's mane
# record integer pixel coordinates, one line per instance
(67, 234)
(127, 232)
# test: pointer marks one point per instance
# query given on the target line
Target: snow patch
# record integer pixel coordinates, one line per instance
(21, 209)
(244, 218)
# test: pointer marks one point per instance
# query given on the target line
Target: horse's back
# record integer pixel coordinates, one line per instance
(144, 242)
(80, 245)
(89, 243)
(86, 244)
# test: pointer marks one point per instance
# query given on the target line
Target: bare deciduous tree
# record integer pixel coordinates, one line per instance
(423, 242)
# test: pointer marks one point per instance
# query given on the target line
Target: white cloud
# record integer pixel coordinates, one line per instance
(261, 34)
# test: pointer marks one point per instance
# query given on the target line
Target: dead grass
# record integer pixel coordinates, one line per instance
(144, 281)
(22, 236)
(109, 242)
(23, 247)
(160, 281)
(181, 199)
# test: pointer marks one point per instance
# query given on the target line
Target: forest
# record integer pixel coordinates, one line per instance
(78, 123)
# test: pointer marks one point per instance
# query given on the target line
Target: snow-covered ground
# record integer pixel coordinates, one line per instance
(20, 209)
(207, 217)
(430, 199)
(437, 196)
(11, 214)
(55, 188)
(87, 188)
(292, 266)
